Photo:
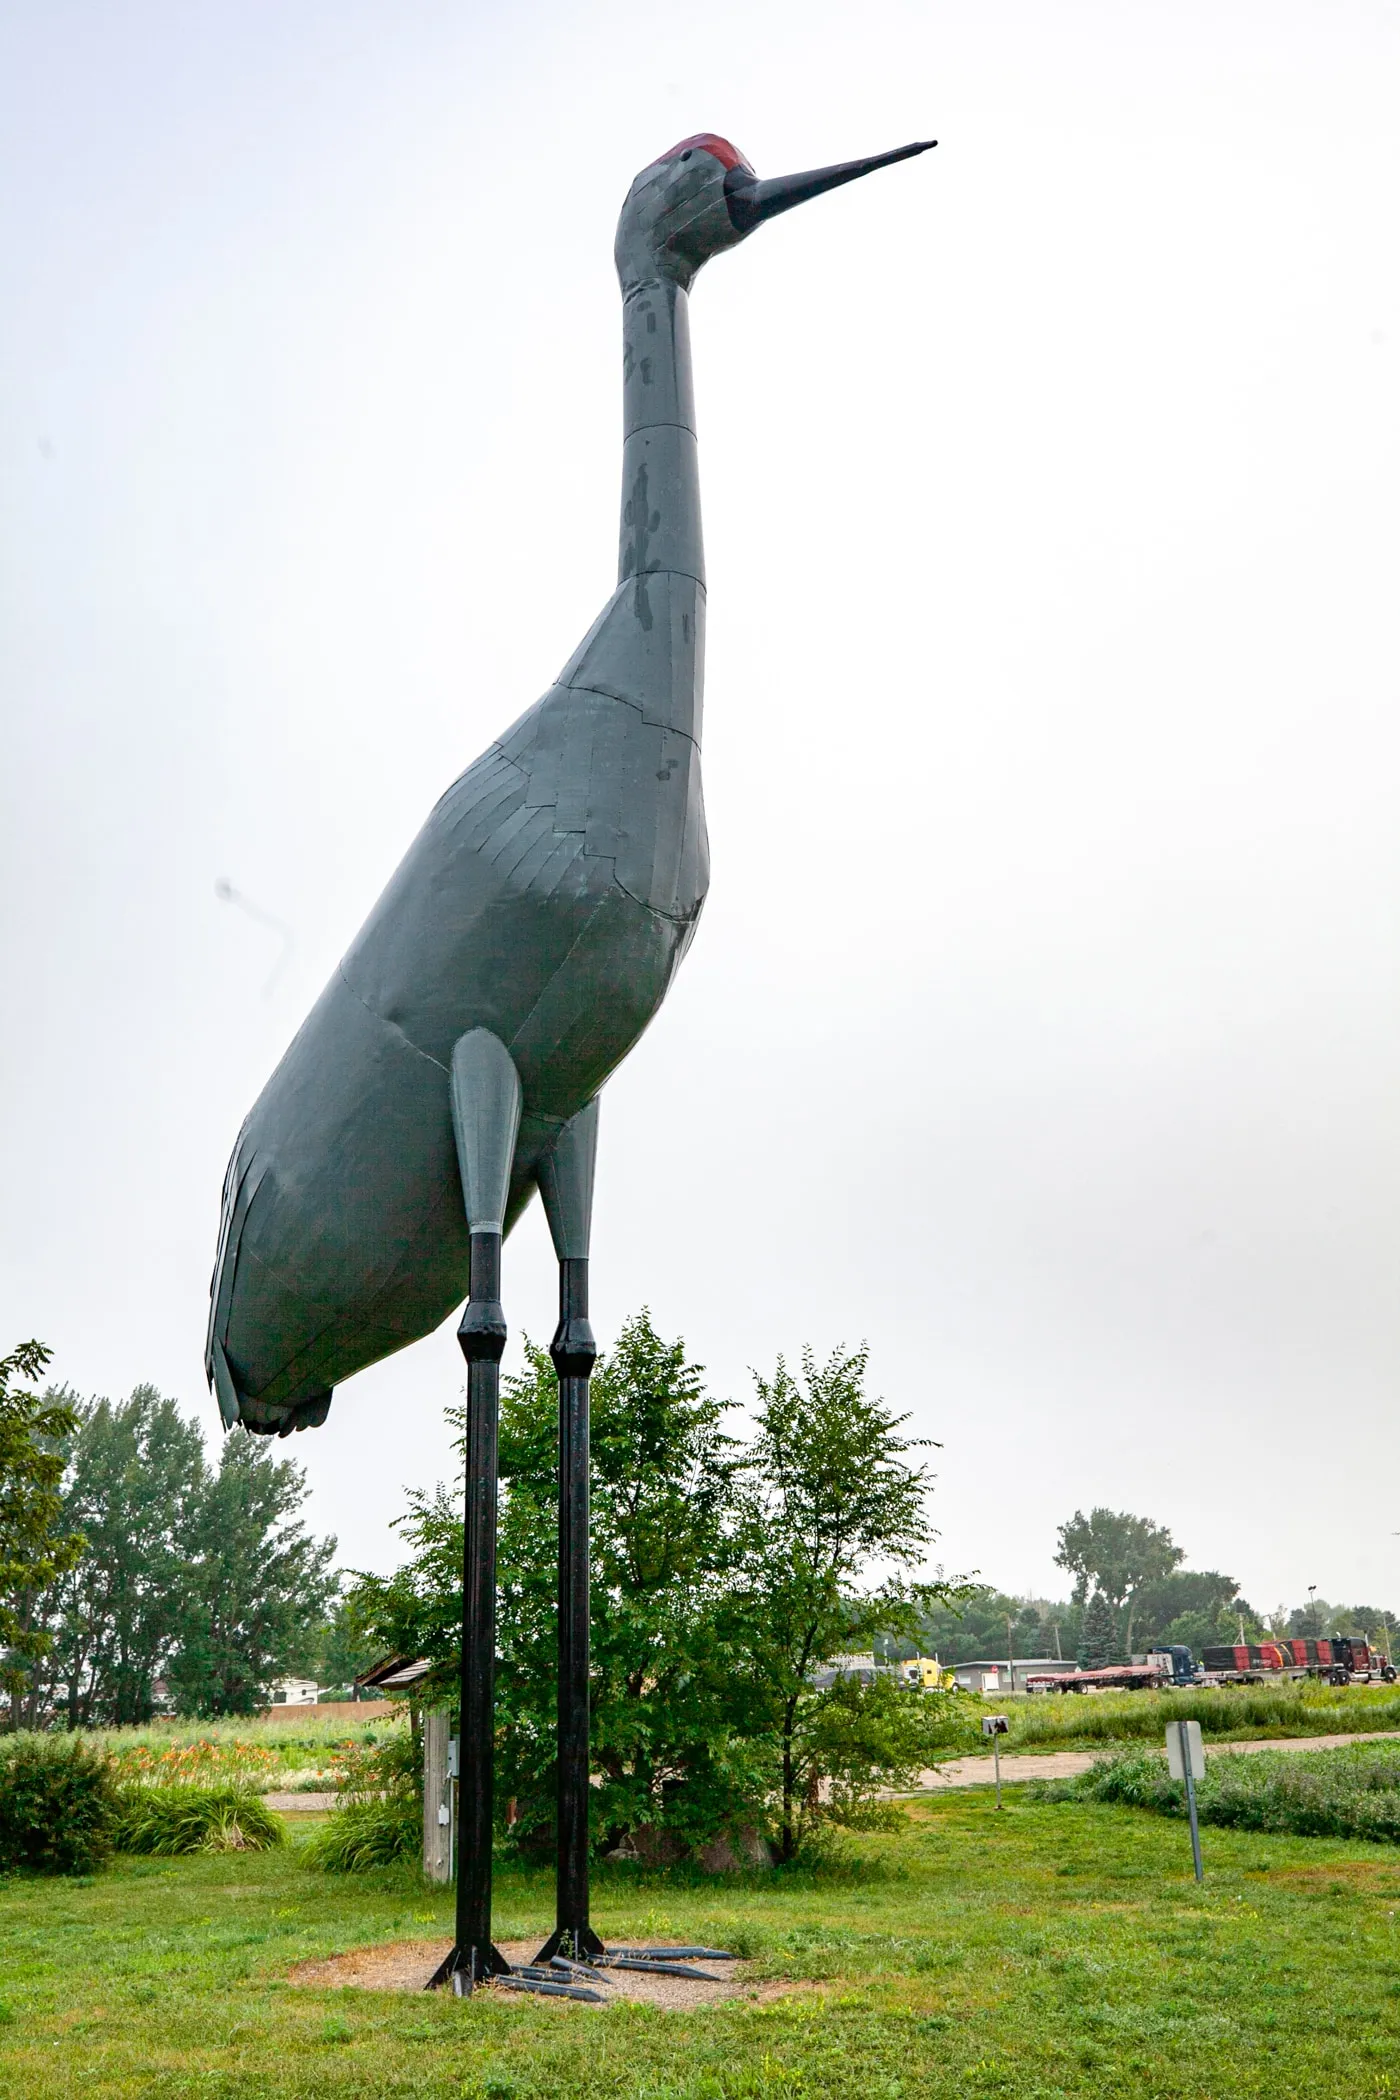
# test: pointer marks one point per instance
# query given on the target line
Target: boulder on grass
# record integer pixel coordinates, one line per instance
(650, 1846)
(734, 1850)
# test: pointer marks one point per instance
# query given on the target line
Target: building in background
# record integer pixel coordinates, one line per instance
(1001, 1675)
(295, 1691)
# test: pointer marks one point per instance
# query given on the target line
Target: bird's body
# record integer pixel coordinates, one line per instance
(548, 899)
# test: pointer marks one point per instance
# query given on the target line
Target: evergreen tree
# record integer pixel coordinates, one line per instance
(1099, 1640)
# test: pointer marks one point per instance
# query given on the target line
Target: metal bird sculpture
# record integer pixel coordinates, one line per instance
(453, 1063)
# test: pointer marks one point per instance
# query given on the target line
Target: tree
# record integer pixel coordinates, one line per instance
(827, 1489)
(136, 1471)
(664, 1744)
(1100, 1646)
(973, 1627)
(1205, 1598)
(336, 1652)
(257, 1584)
(35, 1547)
(722, 1577)
(1118, 1554)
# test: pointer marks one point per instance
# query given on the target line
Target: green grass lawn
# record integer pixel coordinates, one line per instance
(1054, 1949)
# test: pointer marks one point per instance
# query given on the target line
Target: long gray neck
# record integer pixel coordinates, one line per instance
(660, 467)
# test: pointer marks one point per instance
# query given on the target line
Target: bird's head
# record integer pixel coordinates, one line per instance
(703, 197)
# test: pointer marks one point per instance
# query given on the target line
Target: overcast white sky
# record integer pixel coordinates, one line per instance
(1044, 1023)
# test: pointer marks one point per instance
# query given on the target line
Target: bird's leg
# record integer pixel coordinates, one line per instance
(566, 1185)
(486, 1119)
(482, 1336)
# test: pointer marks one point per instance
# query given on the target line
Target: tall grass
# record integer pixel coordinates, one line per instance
(286, 1742)
(1353, 1792)
(364, 1834)
(175, 1819)
(380, 1816)
(1242, 1713)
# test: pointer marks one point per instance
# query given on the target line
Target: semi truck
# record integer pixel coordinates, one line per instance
(1341, 1660)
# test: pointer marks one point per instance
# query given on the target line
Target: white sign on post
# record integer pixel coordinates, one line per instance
(1187, 1734)
(1186, 1759)
(996, 1726)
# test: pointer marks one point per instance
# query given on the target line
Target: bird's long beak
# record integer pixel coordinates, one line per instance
(751, 201)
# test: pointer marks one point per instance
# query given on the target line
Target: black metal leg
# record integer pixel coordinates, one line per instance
(482, 1336)
(573, 1353)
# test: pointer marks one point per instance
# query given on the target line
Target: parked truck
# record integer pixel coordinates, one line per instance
(1340, 1660)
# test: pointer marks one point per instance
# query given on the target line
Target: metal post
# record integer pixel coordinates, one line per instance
(1181, 1728)
(482, 1336)
(565, 1177)
(996, 1764)
(573, 1354)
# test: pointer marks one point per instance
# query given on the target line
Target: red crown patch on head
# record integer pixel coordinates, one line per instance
(710, 142)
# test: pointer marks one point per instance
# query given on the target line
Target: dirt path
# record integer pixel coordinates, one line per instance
(1067, 1764)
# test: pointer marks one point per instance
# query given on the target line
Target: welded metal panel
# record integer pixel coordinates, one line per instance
(566, 1175)
(486, 1103)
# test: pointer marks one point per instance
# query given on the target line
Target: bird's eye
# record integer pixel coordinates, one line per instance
(686, 154)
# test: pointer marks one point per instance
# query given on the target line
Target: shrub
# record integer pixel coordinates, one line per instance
(56, 1804)
(176, 1818)
(1353, 1792)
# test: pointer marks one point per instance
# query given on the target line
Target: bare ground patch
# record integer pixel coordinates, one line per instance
(406, 1965)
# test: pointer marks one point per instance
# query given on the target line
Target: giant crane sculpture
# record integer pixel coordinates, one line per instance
(453, 1063)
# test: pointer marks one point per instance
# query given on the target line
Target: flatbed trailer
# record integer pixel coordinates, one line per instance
(1118, 1677)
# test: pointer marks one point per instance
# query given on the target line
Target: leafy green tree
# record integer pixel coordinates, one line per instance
(1204, 1597)
(1319, 1620)
(1100, 1643)
(664, 1743)
(854, 1742)
(337, 1652)
(258, 1584)
(1367, 1622)
(663, 1473)
(1118, 1554)
(973, 1626)
(828, 1488)
(136, 1471)
(722, 1578)
(35, 1546)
